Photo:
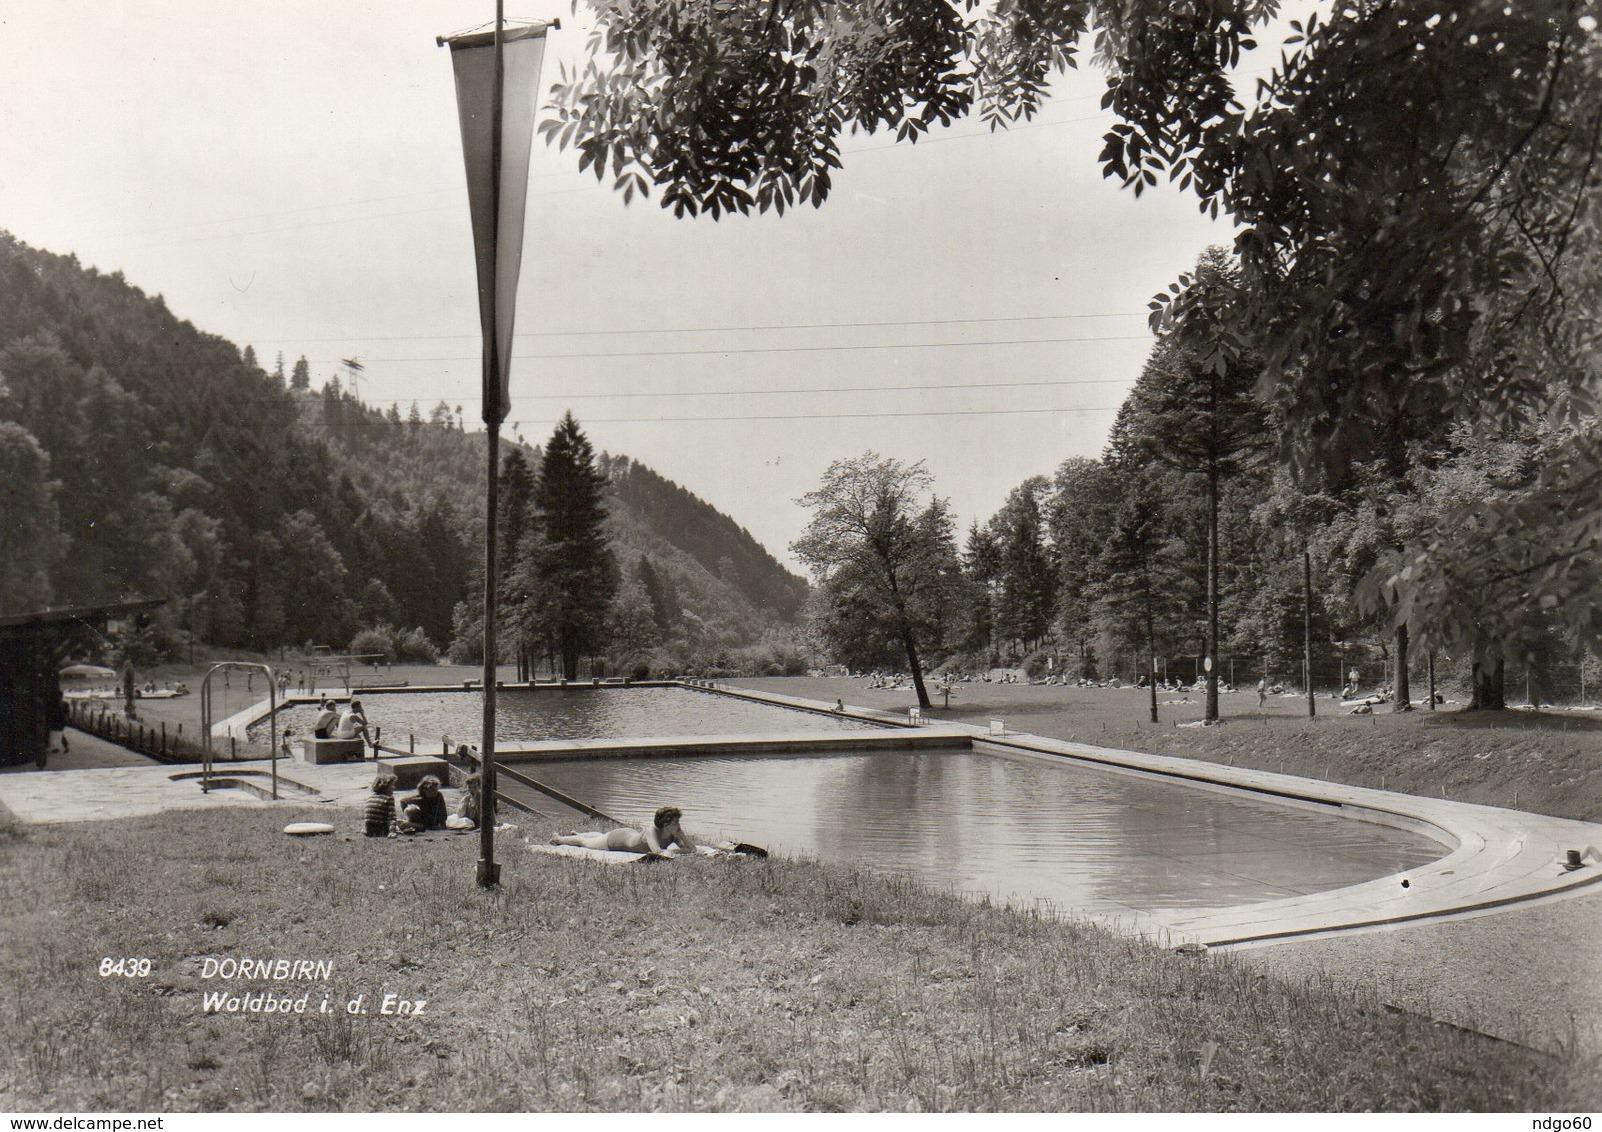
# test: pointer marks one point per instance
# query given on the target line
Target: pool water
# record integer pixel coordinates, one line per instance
(1061, 834)
(524, 715)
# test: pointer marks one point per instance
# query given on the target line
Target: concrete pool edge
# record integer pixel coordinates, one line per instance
(1497, 857)
(241, 721)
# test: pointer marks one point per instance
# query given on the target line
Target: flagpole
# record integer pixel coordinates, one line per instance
(489, 872)
(497, 178)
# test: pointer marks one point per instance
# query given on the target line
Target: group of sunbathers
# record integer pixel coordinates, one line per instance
(420, 812)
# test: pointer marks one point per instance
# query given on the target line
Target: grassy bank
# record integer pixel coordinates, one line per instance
(701, 984)
(1544, 762)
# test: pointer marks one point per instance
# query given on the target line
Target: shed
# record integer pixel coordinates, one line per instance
(32, 647)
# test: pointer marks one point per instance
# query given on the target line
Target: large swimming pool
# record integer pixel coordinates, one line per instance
(526, 715)
(1051, 832)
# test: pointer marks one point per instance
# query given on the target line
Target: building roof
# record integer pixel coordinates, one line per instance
(42, 622)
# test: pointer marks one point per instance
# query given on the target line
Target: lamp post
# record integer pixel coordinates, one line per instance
(497, 82)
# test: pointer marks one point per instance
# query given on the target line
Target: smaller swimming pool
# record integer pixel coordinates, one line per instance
(528, 715)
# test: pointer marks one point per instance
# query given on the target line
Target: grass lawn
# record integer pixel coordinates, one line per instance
(1546, 762)
(731, 985)
(695, 985)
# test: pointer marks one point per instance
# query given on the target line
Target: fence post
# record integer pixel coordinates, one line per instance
(164, 738)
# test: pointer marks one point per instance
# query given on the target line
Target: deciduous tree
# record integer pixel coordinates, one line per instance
(881, 541)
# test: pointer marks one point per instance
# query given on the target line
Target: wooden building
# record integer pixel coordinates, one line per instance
(33, 647)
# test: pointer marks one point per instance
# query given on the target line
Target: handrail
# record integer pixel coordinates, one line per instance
(272, 718)
(552, 792)
(500, 796)
(473, 755)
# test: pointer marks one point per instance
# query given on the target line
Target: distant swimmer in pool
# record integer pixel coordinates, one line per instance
(663, 832)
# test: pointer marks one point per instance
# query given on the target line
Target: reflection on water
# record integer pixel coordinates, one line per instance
(1070, 836)
(528, 714)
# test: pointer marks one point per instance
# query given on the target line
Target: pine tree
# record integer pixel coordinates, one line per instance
(1024, 611)
(574, 569)
(1195, 409)
(981, 568)
(300, 377)
(512, 550)
(664, 606)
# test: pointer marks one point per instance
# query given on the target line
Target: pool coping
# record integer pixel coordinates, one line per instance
(1495, 858)
(251, 714)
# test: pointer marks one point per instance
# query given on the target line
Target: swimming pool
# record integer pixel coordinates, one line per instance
(1030, 830)
(527, 715)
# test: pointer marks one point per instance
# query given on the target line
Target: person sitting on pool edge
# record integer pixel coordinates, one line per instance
(425, 809)
(352, 724)
(663, 832)
(326, 718)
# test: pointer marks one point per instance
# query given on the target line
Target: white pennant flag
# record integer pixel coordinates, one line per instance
(498, 220)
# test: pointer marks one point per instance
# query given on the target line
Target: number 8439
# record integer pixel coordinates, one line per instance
(128, 968)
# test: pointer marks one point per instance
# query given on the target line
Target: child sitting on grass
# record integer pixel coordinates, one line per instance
(466, 815)
(380, 811)
(424, 810)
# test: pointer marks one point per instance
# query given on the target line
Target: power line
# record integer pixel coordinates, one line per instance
(671, 393)
(827, 389)
(334, 425)
(783, 349)
(719, 329)
(853, 416)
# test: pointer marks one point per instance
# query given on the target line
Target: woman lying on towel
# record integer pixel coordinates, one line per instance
(663, 832)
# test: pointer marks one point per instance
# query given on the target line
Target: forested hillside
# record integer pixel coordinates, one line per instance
(722, 547)
(143, 457)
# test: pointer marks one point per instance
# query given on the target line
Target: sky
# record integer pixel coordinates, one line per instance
(289, 176)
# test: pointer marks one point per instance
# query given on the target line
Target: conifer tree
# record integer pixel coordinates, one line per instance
(1195, 409)
(573, 568)
(664, 605)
